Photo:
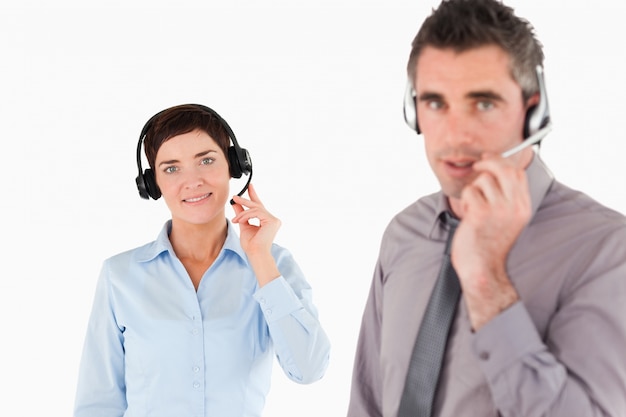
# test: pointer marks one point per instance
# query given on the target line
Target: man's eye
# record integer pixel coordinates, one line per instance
(207, 161)
(485, 105)
(435, 105)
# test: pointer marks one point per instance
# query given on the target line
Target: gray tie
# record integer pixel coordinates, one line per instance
(430, 344)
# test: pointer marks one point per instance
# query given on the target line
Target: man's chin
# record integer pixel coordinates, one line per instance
(453, 190)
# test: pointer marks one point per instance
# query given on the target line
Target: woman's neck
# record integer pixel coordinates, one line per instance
(198, 242)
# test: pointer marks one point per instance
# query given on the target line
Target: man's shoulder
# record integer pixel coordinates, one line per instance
(417, 217)
(426, 206)
(564, 202)
(573, 215)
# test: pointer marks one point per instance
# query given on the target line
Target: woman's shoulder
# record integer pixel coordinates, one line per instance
(139, 254)
(143, 252)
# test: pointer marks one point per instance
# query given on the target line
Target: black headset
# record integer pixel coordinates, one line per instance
(239, 161)
(537, 117)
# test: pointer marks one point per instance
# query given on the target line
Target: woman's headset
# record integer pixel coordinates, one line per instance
(238, 159)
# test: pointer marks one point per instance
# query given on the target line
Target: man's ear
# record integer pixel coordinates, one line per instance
(532, 101)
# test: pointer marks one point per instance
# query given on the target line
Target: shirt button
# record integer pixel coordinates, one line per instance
(262, 300)
(196, 384)
(484, 355)
(268, 312)
(196, 369)
(194, 331)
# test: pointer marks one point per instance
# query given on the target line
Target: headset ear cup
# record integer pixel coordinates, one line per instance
(413, 110)
(141, 187)
(151, 186)
(528, 121)
(538, 116)
(410, 107)
(233, 162)
(417, 126)
(239, 161)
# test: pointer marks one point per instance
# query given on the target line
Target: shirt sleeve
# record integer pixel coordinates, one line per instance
(302, 347)
(367, 376)
(101, 388)
(579, 366)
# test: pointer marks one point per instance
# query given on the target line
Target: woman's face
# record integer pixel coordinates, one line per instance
(192, 173)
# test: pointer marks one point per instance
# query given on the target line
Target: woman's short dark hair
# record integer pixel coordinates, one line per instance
(179, 120)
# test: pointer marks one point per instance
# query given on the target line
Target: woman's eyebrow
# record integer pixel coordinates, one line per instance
(203, 153)
(198, 155)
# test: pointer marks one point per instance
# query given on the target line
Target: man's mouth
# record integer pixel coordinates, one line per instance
(196, 199)
(459, 168)
(460, 164)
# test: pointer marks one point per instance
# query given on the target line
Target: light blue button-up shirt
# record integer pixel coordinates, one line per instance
(156, 347)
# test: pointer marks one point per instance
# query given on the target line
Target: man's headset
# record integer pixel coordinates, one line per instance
(238, 159)
(537, 117)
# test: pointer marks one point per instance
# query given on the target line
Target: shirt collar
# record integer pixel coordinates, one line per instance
(163, 244)
(540, 180)
(438, 229)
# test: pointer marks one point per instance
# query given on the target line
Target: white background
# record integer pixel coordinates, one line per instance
(313, 91)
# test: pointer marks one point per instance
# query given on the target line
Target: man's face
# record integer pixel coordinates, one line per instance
(467, 104)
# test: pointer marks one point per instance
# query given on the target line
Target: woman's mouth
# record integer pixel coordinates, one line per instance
(196, 199)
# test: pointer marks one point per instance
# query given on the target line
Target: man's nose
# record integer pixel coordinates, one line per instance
(458, 128)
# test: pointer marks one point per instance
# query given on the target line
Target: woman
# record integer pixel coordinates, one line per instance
(188, 325)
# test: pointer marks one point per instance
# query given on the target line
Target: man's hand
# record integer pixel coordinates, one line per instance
(495, 208)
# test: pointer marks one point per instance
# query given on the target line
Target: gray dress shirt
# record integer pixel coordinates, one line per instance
(559, 351)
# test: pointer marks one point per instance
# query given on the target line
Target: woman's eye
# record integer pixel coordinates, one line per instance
(170, 170)
(207, 161)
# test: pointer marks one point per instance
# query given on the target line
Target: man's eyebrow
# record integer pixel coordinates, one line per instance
(428, 96)
(198, 155)
(486, 94)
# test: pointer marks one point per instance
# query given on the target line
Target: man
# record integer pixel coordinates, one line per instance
(539, 328)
